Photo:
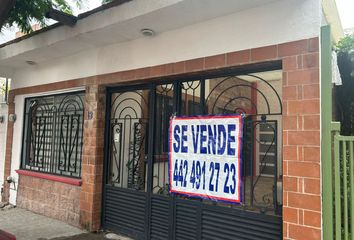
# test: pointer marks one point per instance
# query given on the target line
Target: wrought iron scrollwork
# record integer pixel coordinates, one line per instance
(267, 200)
(129, 121)
(228, 95)
(136, 164)
(250, 95)
(54, 134)
(165, 108)
(116, 129)
(258, 100)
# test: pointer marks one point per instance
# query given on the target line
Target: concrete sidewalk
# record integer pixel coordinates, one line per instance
(26, 225)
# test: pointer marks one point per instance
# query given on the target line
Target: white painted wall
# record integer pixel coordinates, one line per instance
(277, 22)
(3, 129)
(16, 146)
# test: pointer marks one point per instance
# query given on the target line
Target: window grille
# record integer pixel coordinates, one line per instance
(53, 134)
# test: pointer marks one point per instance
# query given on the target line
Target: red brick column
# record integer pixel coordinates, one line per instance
(301, 140)
(92, 160)
(9, 139)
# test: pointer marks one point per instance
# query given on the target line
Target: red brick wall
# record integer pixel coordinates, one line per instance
(92, 159)
(301, 127)
(53, 199)
(301, 140)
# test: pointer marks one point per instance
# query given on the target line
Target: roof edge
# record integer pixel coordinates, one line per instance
(81, 16)
(330, 11)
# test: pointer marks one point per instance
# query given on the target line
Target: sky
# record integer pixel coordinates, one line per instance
(9, 34)
(346, 12)
(345, 9)
(89, 4)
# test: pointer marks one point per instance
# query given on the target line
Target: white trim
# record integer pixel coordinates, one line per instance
(48, 93)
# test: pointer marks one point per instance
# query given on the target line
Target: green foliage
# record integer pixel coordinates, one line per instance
(345, 49)
(3, 91)
(2, 88)
(106, 1)
(344, 96)
(346, 44)
(26, 12)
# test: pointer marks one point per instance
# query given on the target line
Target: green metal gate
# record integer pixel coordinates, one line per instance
(337, 159)
(343, 185)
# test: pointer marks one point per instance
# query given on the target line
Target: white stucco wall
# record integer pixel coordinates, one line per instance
(277, 22)
(16, 146)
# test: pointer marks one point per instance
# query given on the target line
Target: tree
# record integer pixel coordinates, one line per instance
(344, 96)
(6, 6)
(4, 89)
(105, 1)
(24, 12)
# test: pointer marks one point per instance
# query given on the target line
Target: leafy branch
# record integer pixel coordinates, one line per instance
(25, 12)
(345, 49)
(3, 88)
(344, 94)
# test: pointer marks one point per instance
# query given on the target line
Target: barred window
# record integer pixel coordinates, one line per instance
(53, 134)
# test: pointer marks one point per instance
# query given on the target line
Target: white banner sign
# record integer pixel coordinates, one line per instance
(205, 157)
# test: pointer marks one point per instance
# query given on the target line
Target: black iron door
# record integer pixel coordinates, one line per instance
(127, 153)
(136, 198)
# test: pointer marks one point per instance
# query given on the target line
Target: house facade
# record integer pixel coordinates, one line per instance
(89, 109)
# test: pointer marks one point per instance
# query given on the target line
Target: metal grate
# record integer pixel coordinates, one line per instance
(186, 220)
(125, 211)
(136, 191)
(232, 225)
(159, 218)
(53, 134)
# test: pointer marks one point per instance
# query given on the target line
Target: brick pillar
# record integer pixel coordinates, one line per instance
(9, 140)
(301, 140)
(92, 159)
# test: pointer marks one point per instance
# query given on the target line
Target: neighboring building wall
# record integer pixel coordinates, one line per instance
(35, 27)
(52, 199)
(3, 128)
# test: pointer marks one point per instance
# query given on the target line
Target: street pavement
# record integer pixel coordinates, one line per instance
(26, 225)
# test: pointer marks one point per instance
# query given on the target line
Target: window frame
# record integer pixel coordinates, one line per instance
(24, 166)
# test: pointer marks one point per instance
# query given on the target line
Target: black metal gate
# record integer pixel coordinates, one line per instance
(136, 198)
